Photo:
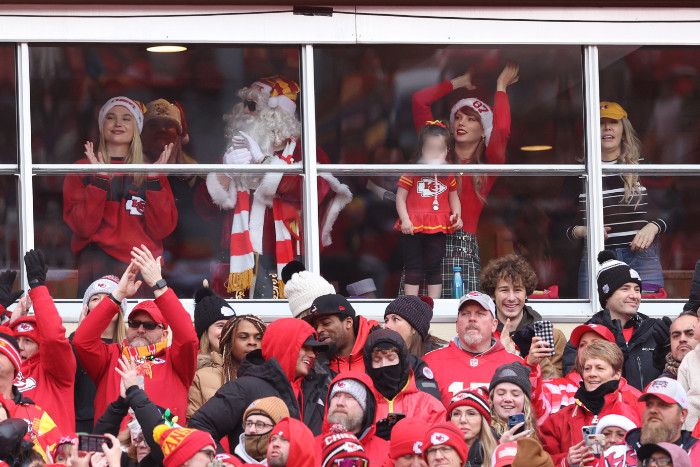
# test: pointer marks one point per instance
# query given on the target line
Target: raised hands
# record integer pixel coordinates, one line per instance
(35, 262)
(7, 297)
(128, 284)
(148, 265)
(463, 81)
(128, 371)
(165, 155)
(99, 159)
(246, 142)
(509, 75)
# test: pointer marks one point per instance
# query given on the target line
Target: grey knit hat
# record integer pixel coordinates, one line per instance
(515, 373)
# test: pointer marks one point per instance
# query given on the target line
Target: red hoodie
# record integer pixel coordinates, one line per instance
(412, 403)
(283, 340)
(303, 452)
(48, 377)
(173, 370)
(356, 360)
(376, 448)
(115, 214)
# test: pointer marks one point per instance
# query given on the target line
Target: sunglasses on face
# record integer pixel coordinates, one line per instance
(250, 105)
(147, 325)
(351, 462)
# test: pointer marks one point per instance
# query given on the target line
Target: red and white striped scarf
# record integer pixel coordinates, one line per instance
(240, 277)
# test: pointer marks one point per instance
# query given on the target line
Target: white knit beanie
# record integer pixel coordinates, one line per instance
(106, 285)
(303, 288)
(614, 419)
(480, 108)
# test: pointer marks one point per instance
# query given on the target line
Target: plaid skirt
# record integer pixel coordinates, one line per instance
(462, 250)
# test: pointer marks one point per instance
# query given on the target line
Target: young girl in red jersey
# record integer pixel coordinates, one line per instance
(109, 214)
(428, 208)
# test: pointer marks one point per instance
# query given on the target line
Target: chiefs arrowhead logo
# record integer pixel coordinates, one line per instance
(25, 327)
(136, 205)
(439, 438)
(24, 384)
(418, 447)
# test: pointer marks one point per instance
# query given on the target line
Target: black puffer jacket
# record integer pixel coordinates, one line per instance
(645, 352)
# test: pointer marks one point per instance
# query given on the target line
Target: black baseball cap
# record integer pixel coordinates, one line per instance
(331, 304)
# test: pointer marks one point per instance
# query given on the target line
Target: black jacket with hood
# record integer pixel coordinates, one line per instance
(263, 373)
(686, 441)
(645, 352)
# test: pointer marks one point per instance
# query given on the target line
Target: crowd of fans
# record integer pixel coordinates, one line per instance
(328, 387)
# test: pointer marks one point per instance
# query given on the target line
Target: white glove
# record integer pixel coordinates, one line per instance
(245, 141)
(237, 156)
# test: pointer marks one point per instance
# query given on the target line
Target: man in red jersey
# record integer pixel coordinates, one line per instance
(474, 354)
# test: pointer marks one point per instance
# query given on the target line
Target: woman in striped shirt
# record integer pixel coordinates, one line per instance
(631, 222)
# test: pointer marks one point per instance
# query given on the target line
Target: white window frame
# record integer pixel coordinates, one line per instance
(585, 27)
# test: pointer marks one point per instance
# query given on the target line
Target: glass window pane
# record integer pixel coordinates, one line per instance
(9, 219)
(525, 215)
(658, 89)
(70, 84)
(371, 99)
(8, 105)
(101, 217)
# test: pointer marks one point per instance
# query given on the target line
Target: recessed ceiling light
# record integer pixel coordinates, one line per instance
(536, 147)
(168, 49)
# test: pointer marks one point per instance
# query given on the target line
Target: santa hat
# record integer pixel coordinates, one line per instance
(10, 348)
(180, 444)
(283, 92)
(481, 108)
(447, 434)
(617, 420)
(134, 107)
(407, 438)
(161, 108)
(338, 445)
(25, 327)
(106, 285)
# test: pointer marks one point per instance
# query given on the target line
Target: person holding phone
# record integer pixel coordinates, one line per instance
(510, 395)
(509, 280)
(600, 365)
(386, 362)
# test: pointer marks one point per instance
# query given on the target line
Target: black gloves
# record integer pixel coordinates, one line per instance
(36, 268)
(662, 331)
(523, 339)
(7, 298)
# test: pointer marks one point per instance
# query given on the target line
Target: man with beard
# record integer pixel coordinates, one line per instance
(338, 326)
(683, 340)
(474, 354)
(258, 420)
(663, 417)
(168, 370)
(264, 129)
(351, 403)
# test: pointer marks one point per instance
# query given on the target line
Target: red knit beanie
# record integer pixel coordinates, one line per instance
(407, 438)
(9, 348)
(446, 433)
(180, 444)
(471, 398)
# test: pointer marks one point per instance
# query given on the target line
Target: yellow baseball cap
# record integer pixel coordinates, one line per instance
(612, 110)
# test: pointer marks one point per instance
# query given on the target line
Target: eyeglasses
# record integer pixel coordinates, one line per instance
(147, 325)
(657, 461)
(250, 105)
(258, 425)
(351, 462)
(443, 450)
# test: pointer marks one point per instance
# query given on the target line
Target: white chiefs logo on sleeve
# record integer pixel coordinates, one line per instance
(136, 205)
(439, 438)
(428, 187)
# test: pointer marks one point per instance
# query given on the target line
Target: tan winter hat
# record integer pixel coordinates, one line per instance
(272, 407)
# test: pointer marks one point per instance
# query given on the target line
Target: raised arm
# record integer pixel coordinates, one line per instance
(161, 213)
(496, 150)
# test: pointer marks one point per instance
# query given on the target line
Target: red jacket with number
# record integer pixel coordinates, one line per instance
(173, 371)
(453, 371)
(412, 403)
(563, 429)
(495, 151)
(48, 377)
(356, 360)
(115, 214)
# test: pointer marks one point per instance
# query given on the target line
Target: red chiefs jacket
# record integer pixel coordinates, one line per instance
(48, 377)
(456, 369)
(173, 371)
(412, 403)
(563, 429)
(356, 360)
(115, 214)
(376, 448)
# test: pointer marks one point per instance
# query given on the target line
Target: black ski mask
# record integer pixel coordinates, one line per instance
(388, 380)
